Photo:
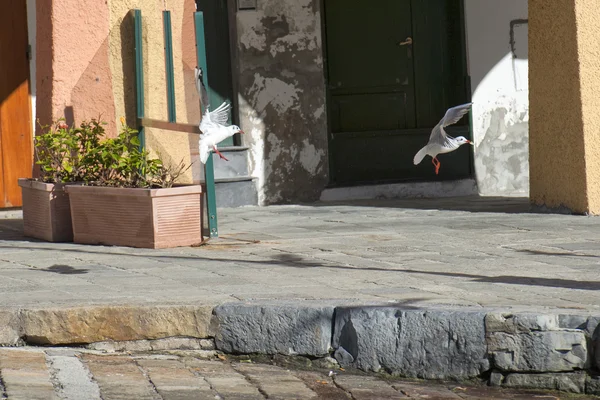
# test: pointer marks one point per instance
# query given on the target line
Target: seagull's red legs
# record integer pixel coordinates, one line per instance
(219, 153)
(437, 164)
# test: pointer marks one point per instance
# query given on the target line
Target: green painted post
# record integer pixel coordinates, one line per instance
(139, 73)
(169, 66)
(209, 173)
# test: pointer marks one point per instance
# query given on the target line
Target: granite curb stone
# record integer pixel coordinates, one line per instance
(413, 343)
(112, 323)
(529, 350)
(273, 329)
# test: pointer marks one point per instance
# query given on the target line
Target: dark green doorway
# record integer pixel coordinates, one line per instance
(218, 55)
(393, 68)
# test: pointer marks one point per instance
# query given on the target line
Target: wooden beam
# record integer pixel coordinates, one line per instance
(168, 126)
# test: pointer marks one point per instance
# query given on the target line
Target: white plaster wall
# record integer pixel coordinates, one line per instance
(500, 94)
(31, 32)
(282, 98)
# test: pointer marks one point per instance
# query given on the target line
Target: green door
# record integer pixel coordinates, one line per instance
(393, 68)
(218, 59)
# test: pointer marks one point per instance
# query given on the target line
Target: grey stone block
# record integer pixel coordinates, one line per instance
(592, 385)
(166, 344)
(572, 321)
(592, 329)
(10, 328)
(566, 382)
(236, 167)
(236, 193)
(434, 344)
(520, 323)
(591, 326)
(553, 351)
(496, 379)
(273, 329)
(343, 357)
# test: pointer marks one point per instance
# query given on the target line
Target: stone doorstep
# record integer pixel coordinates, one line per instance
(517, 350)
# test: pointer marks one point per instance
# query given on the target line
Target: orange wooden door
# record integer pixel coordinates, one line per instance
(15, 104)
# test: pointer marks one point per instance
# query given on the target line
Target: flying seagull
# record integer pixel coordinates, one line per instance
(439, 141)
(214, 130)
(213, 126)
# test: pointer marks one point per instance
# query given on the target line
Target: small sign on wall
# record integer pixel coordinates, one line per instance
(247, 4)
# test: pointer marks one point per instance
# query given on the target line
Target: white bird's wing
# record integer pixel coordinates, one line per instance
(213, 129)
(452, 116)
(221, 114)
(214, 119)
(206, 125)
(438, 135)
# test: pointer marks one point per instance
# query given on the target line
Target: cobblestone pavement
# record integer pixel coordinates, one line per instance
(475, 252)
(77, 374)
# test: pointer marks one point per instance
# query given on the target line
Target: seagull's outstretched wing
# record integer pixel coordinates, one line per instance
(199, 76)
(453, 115)
(221, 114)
(212, 120)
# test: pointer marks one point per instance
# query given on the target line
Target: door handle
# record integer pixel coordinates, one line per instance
(407, 42)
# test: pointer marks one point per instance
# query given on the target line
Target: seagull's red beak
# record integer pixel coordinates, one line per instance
(471, 143)
(241, 131)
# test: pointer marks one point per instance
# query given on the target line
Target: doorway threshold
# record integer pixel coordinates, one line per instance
(455, 188)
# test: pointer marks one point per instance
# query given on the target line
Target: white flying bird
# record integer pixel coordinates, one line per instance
(213, 126)
(214, 131)
(439, 141)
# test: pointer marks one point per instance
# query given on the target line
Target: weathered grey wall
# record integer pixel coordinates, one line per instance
(282, 98)
(498, 65)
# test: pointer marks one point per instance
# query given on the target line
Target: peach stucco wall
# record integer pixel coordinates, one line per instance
(88, 54)
(564, 81)
(588, 24)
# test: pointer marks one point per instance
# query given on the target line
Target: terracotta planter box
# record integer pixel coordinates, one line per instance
(46, 211)
(150, 218)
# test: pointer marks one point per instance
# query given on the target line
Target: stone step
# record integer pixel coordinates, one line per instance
(233, 184)
(237, 166)
(456, 188)
(236, 192)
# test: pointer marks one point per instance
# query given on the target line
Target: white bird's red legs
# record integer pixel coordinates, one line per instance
(437, 164)
(219, 153)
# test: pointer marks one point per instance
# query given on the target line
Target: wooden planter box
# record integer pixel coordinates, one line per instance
(150, 218)
(46, 211)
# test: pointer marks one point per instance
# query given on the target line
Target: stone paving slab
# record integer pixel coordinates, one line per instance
(76, 374)
(312, 279)
(474, 252)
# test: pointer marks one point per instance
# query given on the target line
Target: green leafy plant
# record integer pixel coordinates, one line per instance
(80, 155)
(62, 152)
(121, 162)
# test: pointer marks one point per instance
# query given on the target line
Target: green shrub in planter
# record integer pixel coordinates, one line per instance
(129, 199)
(62, 156)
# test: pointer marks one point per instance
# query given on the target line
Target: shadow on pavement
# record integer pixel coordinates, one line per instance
(12, 229)
(505, 205)
(296, 261)
(515, 280)
(65, 270)
(556, 254)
